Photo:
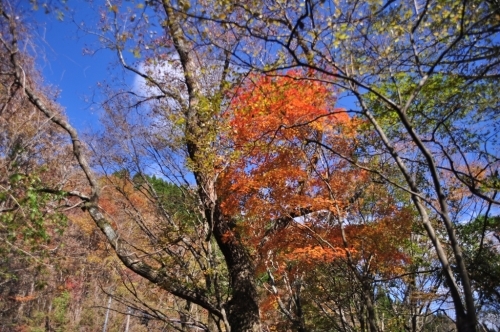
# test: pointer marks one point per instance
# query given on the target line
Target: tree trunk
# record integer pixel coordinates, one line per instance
(243, 308)
(106, 318)
(466, 324)
(127, 321)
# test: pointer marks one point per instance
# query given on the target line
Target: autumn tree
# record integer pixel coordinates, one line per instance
(273, 177)
(422, 74)
(196, 108)
(305, 210)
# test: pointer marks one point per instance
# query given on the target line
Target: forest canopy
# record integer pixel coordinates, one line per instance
(302, 165)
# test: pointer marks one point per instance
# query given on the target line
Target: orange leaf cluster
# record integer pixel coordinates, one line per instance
(27, 298)
(279, 108)
(380, 243)
(273, 121)
(280, 173)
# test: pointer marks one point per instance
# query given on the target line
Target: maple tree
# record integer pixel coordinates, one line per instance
(440, 59)
(274, 178)
(301, 207)
(271, 120)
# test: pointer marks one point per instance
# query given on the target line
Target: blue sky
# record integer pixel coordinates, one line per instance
(63, 64)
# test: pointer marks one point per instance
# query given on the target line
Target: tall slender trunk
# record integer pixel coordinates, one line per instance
(106, 318)
(127, 321)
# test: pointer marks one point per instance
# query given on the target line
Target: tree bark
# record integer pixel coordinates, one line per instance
(242, 309)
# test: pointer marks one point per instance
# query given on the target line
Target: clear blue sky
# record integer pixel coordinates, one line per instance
(63, 63)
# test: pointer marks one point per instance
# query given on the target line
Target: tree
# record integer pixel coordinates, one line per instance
(274, 177)
(480, 239)
(441, 60)
(240, 310)
(305, 210)
(31, 218)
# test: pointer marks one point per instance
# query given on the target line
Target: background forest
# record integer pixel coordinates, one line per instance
(315, 165)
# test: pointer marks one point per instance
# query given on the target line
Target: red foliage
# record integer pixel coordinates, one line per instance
(276, 171)
(279, 172)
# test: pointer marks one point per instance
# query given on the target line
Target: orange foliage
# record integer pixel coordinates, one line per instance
(279, 172)
(276, 170)
(380, 244)
(273, 121)
(26, 298)
(281, 108)
(120, 197)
